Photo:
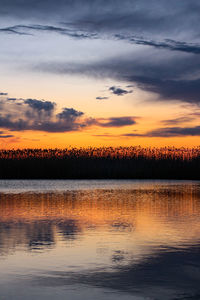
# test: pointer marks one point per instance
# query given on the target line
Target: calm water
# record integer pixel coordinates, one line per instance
(99, 240)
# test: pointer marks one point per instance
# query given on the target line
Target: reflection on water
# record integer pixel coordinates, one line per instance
(137, 241)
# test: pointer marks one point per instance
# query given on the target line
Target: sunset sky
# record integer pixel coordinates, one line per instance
(99, 73)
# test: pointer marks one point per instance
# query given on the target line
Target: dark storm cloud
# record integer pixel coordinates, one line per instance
(41, 115)
(119, 91)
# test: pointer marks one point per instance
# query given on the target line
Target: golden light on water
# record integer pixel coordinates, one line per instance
(150, 217)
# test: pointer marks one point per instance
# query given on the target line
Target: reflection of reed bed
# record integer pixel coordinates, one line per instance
(88, 163)
(149, 217)
(32, 235)
(101, 205)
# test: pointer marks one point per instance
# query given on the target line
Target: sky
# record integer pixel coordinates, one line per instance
(99, 73)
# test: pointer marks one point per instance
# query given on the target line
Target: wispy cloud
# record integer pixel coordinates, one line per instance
(3, 135)
(167, 132)
(80, 33)
(178, 120)
(6, 136)
(175, 131)
(31, 29)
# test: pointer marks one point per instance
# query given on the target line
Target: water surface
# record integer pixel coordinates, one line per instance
(95, 239)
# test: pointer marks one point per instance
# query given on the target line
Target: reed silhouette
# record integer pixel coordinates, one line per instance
(101, 163)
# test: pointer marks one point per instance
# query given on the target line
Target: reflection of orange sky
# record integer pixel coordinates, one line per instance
(100, 206)
(172, 216)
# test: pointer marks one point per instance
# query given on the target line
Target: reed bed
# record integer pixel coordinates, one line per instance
(104, 152)
(101, 163)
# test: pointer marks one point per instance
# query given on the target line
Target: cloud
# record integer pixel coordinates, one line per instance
(118, 91)
(80, 33)
(167, 44)
(40, 105)
(5, 136)
(102, 98)
(106, 135)
(140, 22)
(178, 120)
(42, 109)
(112, 122)
(149, 16)
(175, 131)
(165, 58)
(116, 122)
(168, 132)
(11, 99)
(30, 29)
(171, 77)
(11, 30)
(69, 113)
(40, 115)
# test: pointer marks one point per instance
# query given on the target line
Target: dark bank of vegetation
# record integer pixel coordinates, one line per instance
(101, 163)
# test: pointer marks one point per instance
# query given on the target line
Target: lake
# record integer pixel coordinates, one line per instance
(99, 239)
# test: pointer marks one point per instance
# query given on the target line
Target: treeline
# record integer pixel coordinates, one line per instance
(101, 163)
